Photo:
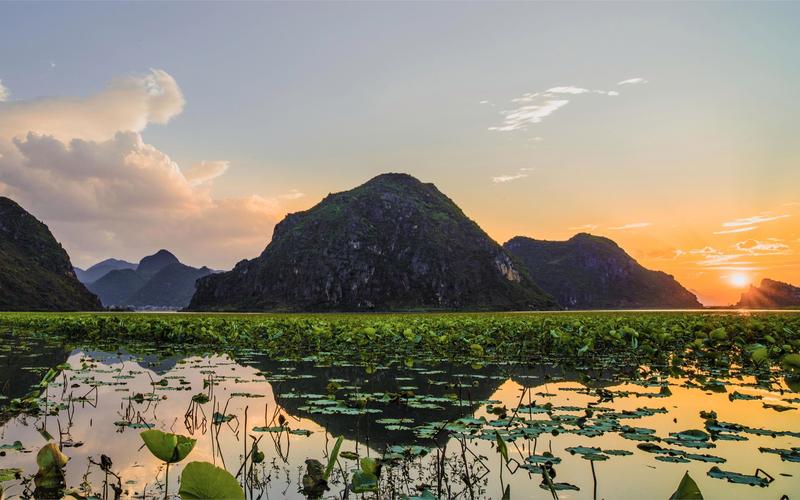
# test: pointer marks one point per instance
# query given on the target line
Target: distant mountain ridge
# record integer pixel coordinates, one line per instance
(159, 281)
(393, 243)
(770, 294)
(593, 272)
(102, 268)
(35, 271)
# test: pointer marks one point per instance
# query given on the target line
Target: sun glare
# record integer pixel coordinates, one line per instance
(739, 280)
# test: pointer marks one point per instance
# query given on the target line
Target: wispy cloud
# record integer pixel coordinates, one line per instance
(751, 221)
(632, 225)
(508, 178)
(567, 90)
(585, 227)
(707, 250)
(737, 230)
(632, 81)
(3, 92)
(293, 194)
(757, 247)
(533, 107)
(519, 118)
(206, 171)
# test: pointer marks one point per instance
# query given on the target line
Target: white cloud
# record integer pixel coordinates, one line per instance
(81, 165)
(756, 219)
(535, 106)
(632, 81)
(567, 90)
(632, 225)
(206, 171)
(522, 116)
(508, 178)
(4, 93)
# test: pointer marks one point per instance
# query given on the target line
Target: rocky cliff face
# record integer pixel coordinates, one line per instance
(770, 294)
(393, 243)
(35, 271)
(591, 272)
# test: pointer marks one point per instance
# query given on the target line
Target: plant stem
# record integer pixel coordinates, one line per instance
(166, 483)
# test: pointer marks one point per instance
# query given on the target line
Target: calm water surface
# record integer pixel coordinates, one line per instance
(408, 414)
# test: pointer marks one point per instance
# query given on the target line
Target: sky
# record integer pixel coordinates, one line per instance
(669, 127)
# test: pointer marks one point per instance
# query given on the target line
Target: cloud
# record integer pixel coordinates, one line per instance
(127, 104)
(82, 166)
(206, 171)
(508, 178)
(757, 247)
(756, 219)
(632, 81)
(533, 107)
(738, 230)
(567, 90)
(522, 116)
(707, 250)
(633, 225)
(293, 194)
(4, 93)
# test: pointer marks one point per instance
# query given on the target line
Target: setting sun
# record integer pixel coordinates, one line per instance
(738, 280)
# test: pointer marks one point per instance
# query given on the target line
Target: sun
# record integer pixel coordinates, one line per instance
(738, 280)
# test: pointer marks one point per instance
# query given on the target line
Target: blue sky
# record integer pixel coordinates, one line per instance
(303, 99)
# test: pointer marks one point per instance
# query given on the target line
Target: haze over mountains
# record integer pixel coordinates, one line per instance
(592, 272)
(391, 244)
(98, 270)
(158, 281)
(770, 294)
(35, 271)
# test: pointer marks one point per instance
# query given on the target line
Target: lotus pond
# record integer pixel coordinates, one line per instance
(578, 405)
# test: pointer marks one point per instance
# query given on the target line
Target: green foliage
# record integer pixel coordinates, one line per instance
(365, 479)
(169, 448)
(679, 339)
(202, 480)
(333, 457)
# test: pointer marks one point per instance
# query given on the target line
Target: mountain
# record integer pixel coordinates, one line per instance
(770, 294)
(115, 287)
(392, 243)
(35, 271)
(150, 266)
(592, 272)
(159, 281)
(101, 269)
(172, 287)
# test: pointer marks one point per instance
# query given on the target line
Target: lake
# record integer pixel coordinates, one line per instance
(602, 431)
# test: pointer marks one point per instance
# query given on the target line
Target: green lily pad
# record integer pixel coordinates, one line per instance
(169, 448)
(202, 480)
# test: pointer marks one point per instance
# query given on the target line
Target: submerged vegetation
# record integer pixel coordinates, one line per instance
(400, 406)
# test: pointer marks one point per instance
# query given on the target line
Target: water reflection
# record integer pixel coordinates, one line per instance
(451, 413)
